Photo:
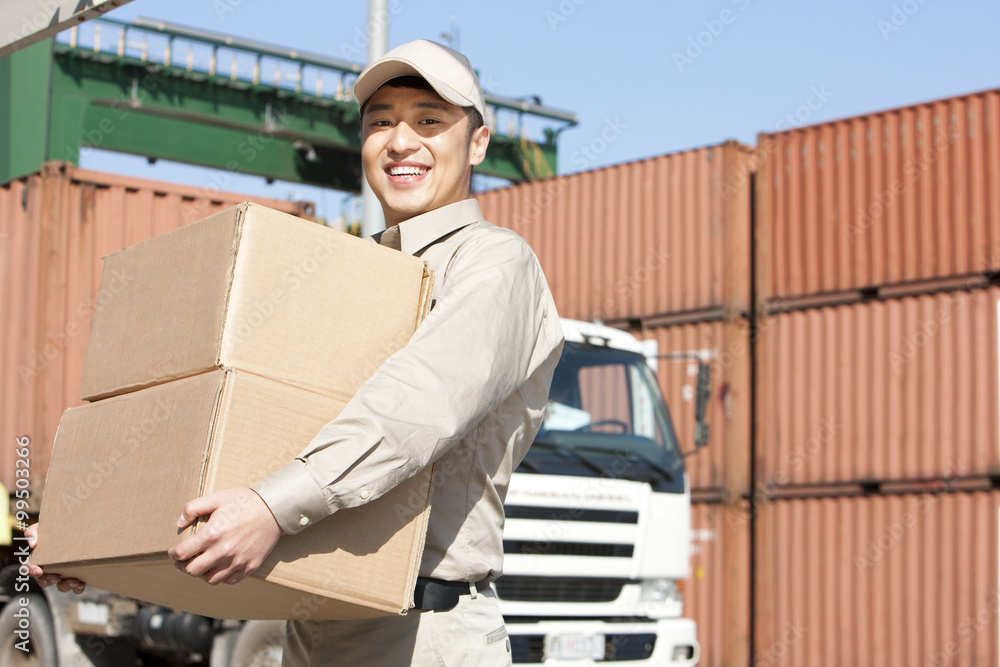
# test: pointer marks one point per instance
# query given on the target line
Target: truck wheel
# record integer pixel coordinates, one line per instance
(41, 634)
(259, 644)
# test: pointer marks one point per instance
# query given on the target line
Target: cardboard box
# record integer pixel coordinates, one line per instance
(122, 469)
(254, 289)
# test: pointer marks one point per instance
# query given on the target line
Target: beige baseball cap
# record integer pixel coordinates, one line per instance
(446, 70)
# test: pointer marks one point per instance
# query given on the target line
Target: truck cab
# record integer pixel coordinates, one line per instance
(596, 542)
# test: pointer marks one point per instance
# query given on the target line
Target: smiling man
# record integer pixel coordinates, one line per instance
(467, 393)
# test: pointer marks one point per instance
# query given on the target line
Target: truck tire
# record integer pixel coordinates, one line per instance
(259, 644)
(41, 633)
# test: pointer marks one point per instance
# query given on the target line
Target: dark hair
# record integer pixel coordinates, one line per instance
(420, 83)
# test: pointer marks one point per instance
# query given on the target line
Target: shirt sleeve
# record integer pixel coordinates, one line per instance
(490, 329)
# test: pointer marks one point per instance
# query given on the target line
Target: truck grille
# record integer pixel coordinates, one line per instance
(568, 548)
(531, 648)
(558, 589)
(570, 514)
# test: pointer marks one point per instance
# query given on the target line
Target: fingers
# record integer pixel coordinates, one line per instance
(74, 585)
(203, 506)
(214, 570)
(31, 534)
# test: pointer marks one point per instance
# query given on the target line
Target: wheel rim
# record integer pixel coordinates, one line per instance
(11, 656)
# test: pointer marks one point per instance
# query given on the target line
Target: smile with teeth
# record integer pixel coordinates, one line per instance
(407, 171)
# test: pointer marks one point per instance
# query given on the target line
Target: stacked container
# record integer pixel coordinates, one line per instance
(876, 447)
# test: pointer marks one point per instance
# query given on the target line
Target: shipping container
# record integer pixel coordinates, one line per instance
(723, 467)
(55, 226)
(717, 595)
(890, 580)
(900, 389)
(666, 235)
(901, 197)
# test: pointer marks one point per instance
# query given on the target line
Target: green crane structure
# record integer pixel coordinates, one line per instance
(176, 93)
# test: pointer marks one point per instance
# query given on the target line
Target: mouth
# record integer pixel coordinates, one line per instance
(405, 173)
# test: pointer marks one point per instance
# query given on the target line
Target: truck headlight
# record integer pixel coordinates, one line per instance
(660, 590)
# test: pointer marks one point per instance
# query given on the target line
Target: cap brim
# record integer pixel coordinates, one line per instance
(372, 79)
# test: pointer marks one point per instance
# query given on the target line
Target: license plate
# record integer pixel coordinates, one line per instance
(574, 647)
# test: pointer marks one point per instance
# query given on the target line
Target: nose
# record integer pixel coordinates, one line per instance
(403, 140)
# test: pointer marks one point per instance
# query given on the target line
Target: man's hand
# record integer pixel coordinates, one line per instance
(46, 580)
(239, 534)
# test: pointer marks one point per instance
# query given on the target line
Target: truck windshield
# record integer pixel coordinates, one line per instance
(605, 406)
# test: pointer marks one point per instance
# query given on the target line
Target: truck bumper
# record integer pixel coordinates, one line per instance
(566, 643)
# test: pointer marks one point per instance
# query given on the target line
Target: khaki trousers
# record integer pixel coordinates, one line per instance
(472, 634)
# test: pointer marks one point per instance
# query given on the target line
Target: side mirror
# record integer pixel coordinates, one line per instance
(702, 395)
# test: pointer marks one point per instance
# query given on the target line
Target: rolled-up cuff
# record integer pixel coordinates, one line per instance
(293, 496)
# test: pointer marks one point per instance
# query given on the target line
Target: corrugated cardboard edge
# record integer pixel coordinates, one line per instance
(426, 294)
(241, 216)
(220, 398)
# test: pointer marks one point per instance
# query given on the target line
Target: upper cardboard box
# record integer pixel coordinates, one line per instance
(254, 289)
(123, 468)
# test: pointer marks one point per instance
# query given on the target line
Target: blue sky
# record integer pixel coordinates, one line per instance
(646, 77)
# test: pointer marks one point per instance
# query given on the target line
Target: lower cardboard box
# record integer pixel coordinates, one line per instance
(123, 468)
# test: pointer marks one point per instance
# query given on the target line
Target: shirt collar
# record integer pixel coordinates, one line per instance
(417, 233)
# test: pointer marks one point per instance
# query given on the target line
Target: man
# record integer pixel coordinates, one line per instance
(467, 394)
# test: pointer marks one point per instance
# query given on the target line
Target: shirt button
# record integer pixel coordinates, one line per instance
(303, 521)
(365, 494)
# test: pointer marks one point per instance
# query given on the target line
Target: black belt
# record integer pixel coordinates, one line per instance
(440, 595)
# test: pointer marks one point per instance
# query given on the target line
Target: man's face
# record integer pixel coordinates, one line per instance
(417, 152)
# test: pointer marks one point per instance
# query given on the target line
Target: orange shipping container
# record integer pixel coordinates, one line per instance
(717, 595)
(723, 466)
(902, 196)
(895, 581)
(54, 228)
(887, 390)
(669, 234)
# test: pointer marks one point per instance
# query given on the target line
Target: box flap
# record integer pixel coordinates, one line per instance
(317, 308)
(122, 469)
(160, 307)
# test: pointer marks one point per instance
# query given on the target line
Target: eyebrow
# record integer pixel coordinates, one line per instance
(440, 106)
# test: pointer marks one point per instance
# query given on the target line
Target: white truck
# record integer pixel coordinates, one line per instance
(596, 545)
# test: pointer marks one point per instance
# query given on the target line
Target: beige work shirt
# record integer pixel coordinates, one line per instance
(468, 392)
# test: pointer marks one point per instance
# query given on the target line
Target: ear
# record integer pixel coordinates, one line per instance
(477, 146)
